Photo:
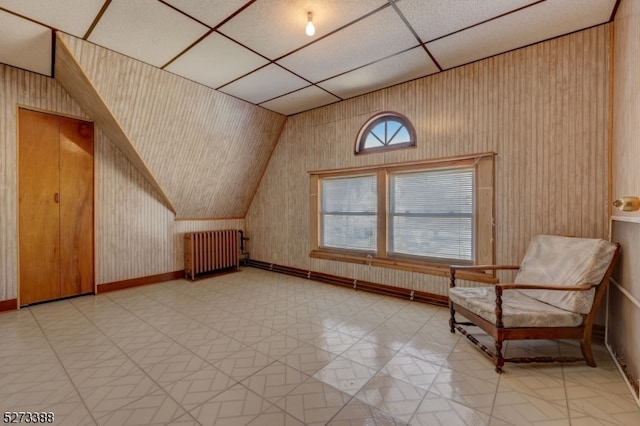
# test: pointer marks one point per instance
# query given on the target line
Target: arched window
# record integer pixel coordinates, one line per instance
(387, 130)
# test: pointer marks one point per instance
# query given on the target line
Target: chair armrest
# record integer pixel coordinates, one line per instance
(512, 286)
(454, 268)
(482, 267)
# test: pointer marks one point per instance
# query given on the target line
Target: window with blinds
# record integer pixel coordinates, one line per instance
(417, 216)
(348, 213)
(431, 214)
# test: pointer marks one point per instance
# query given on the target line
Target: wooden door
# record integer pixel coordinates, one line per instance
(39, 214)
(76, 207)
(55, 207)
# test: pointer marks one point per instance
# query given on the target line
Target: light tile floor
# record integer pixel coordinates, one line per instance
(261, 348)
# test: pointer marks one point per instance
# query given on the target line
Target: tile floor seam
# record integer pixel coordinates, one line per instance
(294, 294)
(63, 368)
(255, 322)
(217, 395)
(379, 371)
(143, 370)
(134, 363)
(429, 391)
(493, 402)
(170, 337)
(564, 387)
(230, 386)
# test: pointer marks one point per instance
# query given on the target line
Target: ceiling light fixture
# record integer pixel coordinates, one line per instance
(310, 29)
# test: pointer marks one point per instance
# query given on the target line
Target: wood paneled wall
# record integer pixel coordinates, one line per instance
(543, 109)
(624, 300)
(626, 103)
(136, 234)
(20, 88)
(207, 150)
(72, 77)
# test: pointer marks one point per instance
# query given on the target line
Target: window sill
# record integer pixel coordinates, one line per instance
(404, 265)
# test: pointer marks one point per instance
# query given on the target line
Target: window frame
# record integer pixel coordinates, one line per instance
(374, 121)
(391, 253)
(484, 238)
(322, 212)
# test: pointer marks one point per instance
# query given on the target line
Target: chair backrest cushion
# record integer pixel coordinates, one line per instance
(560, 260)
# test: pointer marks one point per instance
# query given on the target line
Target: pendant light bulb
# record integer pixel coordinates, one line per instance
(310, 29)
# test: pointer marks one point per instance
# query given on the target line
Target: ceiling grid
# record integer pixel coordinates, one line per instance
(258, 51)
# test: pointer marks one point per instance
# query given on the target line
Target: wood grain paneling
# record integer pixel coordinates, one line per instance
(624, 307)
(542, 108)
(18, 87)
(71, 76)
(135, 232)
(207, 150)
(626, 103)
(136, 235)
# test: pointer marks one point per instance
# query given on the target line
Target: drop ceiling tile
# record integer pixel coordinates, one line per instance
(275, 27)
(301, 100)
(215, 61)
(397, 69)
(264, 84)
(433, 19)
(25, 44)
(545, 20)
(373, 38)
(71, 16)
(146, 30)
(209, 12)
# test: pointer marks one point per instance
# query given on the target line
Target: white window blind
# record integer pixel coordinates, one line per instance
(432, 214)
(348, 213)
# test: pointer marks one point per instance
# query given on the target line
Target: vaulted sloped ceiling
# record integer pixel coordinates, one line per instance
(257, 50)
(203, 150)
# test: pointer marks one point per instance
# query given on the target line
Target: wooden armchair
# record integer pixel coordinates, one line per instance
(555, 295)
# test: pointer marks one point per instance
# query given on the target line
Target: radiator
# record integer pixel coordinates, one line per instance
(210, 251)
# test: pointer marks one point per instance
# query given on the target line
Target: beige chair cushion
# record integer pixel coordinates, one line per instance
(518, 310)
(565, 261)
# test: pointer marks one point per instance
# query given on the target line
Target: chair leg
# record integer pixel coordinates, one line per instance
(498, 359)
(585, 346)
(452, 320)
